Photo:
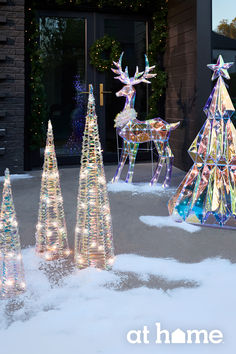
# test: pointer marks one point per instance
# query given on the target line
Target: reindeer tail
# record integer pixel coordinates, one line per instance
(173, 126)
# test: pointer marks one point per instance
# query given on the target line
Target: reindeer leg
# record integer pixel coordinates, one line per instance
(133, 149)
(161, 161)
(169, 163)
(123, 157)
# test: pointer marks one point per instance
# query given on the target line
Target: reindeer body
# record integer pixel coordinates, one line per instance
(137, 131)
(134, 131)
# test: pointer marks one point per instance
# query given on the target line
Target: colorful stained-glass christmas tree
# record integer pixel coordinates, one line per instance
(207, 195)
(93, 233)
(51, 233)
(11, 267)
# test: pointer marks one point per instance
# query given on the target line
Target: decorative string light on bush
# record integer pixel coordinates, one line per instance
(51, 233)
(11, 267)
(93, 232)
(78, 116)
(97, 50)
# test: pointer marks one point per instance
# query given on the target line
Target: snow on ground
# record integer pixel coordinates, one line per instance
(169, 268)
(136, 188)
(168, 221)
(87, 312)
(17, 176)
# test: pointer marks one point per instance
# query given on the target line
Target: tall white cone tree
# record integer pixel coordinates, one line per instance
(11, 267)
(51, 233)
(93, 233)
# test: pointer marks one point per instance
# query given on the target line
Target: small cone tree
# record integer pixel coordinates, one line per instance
(51, 233)
(207, 195)
(11, 267)
(93, 233)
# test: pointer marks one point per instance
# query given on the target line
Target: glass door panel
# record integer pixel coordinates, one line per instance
(65, 41)
(63, 47)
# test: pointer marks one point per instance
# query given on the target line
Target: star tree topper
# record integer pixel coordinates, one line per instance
(220, 68)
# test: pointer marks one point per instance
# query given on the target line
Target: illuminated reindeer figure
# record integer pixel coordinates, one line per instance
(134, 131)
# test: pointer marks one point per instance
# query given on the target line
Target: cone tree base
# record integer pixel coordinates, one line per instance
(52, 256)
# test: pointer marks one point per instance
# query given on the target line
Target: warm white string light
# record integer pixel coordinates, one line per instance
(93, 232)
(51, 233)
(11, 267)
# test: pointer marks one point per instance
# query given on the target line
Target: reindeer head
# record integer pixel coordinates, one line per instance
(128, 90)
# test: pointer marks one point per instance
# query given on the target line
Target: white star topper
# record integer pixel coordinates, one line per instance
(220, 68)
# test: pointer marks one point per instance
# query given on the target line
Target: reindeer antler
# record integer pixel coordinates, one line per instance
(123, 76)
(138, 77)
(144, 75)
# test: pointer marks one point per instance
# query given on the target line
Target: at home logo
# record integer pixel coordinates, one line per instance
(178, 336)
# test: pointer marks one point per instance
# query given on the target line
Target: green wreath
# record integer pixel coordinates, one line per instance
(99, 47)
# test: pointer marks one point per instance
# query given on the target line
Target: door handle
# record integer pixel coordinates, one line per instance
(86, 91)
(101, 92)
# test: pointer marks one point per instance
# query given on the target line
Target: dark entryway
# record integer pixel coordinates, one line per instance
(65, 39)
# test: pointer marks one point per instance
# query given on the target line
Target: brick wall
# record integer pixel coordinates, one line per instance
(12, 85)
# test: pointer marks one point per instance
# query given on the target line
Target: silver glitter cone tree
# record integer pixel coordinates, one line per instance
(93, 233)
(11, 267)
(51, 232)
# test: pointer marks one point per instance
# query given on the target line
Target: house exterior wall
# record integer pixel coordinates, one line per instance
(12, 83)
(181, 66)
(188, 85)
(229, 55)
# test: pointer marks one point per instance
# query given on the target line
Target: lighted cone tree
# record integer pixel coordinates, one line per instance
(207, 195)
(11, 267)
(93, 233)
(51, 233)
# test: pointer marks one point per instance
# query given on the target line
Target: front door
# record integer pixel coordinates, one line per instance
(65, 39)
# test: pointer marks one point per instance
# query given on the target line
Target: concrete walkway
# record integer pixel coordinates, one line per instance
(130, 234)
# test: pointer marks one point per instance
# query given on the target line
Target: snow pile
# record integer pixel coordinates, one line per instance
(17, 176)
(170, 269)
(136, 188)
(168, 221)
(87, 312)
